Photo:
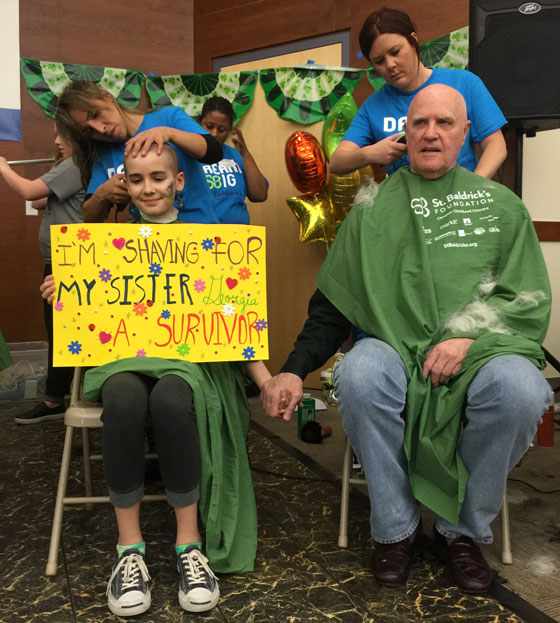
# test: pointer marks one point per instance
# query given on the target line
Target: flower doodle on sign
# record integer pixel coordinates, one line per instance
(140, 309)
(155, 268)
(105, 275)
(244, 273)
(183, 349)
(228, 309)
(75, 347)
(83, 234)
(145, 231)
(207, 244)
(261, 324)
(59, 306)
(199, 285)
(249, 352)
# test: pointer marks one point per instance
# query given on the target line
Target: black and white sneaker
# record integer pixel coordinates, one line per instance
(127, 591)
(198, 586)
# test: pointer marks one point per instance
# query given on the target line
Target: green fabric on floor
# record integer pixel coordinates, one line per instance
(405, 263)
(227, 502)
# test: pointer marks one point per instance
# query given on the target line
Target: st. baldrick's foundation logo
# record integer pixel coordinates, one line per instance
(420, 206)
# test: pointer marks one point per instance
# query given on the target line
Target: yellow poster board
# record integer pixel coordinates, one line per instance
(189, 291)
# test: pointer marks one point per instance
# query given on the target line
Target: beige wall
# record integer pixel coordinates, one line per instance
(541, 194)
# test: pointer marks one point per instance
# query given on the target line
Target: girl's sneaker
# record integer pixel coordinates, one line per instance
(127, 590)
(198, 586)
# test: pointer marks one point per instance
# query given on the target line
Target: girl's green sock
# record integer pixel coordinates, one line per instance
(181, 548)
(141, 547)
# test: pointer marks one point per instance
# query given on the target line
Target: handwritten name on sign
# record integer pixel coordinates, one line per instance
(192, 292)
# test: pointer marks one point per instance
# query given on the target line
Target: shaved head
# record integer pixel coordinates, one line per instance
(436, 128)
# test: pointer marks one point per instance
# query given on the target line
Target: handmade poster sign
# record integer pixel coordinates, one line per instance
(192, 292)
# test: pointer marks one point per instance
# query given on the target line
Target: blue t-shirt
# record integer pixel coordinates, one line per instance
(384, 113)
(196, 199)
(227, 182)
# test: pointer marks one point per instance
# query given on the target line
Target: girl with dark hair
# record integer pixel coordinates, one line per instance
(389, 41)
(102, 132)
(237, 176)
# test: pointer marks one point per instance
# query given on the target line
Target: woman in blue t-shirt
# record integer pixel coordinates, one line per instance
(237, 176)
(388, 40)
(102, 131)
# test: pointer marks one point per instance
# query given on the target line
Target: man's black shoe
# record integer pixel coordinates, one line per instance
(392, 561)
(41, 413)
(465, 563)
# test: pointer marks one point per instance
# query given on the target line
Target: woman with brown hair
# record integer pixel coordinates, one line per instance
(389, 41)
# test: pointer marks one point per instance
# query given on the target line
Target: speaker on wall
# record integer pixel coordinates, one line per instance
(514, 47)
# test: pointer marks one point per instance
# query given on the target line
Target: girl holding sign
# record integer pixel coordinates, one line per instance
(103, 132)
(58, 194)
(237, 176)
(199, 416)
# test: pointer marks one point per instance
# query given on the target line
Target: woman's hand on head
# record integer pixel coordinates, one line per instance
(47, 289)
(114, 190)
(141, 142)
(239, 141)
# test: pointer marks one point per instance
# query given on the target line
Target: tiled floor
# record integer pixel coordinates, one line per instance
(301, 575)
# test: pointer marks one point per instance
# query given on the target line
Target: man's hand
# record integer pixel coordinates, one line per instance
(47, 289)
(446, 359)
(281, 394)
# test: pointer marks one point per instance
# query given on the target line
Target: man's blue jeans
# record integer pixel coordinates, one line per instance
(505, 402)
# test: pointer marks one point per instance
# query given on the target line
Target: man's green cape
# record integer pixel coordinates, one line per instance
(227, 502)
(403, 264)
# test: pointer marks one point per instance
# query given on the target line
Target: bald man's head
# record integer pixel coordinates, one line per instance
(436, 128)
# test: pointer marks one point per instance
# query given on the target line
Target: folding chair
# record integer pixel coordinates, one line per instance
(348, 479)
(85, 415)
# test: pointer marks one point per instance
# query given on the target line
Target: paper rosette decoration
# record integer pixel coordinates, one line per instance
(450, 51)
(337, 122)
(305, 162)
(190, 91)
(46, 81)
(306, 94)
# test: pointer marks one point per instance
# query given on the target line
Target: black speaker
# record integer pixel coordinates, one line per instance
(514, 47)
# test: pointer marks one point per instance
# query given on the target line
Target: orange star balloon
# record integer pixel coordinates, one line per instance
(315, 216)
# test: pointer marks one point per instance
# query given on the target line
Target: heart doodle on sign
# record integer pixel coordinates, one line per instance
(231, 283)
(118, 243)
(104, 337)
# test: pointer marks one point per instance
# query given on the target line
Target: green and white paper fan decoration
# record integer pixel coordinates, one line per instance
(306, 94)
(190, 91)
(46, 81)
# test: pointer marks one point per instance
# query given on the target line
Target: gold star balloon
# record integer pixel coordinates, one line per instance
(315, 216)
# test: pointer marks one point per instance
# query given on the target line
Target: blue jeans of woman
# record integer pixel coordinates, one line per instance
(505, 402)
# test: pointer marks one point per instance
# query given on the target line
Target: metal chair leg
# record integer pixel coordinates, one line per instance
(59, 504)
(507, 557)
(87, 465)
(344, 498)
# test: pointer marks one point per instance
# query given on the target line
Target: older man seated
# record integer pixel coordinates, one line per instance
(441, 394)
